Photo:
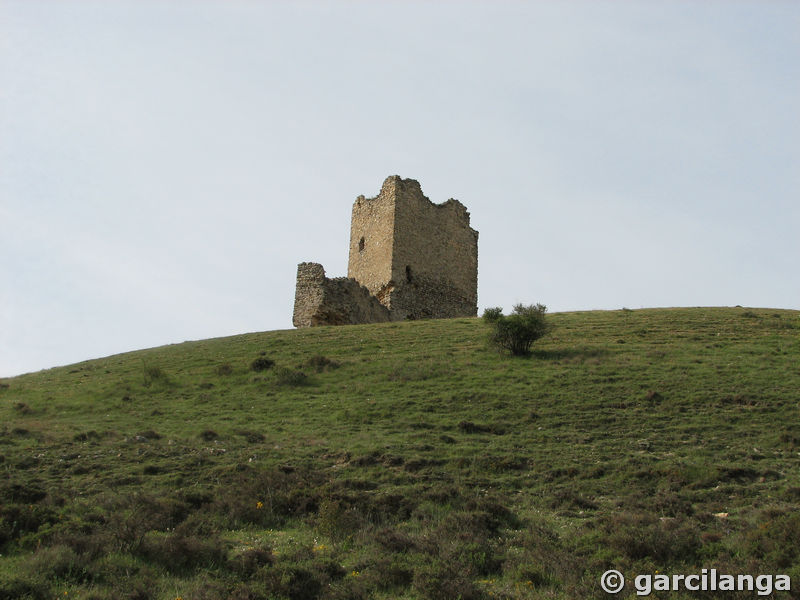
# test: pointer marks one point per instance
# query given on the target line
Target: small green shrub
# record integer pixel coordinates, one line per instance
(321, 363)
(339, 519)
(86, 436)
(653, 396)
(774, 540)
(224, 369)
(57, 562)
(285, 376)
(131, 517)
(641, 535)
(179, 552)
(251, 560)
(492, 315)
(152, 374)
(25, 492)
(252, 437)
(208, 435)
(299, 583)
(517, 331)
(470, 427)
(440, 580)
(24, 587)
(261, 364)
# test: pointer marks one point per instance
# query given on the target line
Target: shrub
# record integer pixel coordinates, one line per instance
(224, 369)
(179, 552)
(252, 437)
(153, 373)
(775, 539)
(251, 560)
(300, 584)
(338, 520)
(131, 517)
(261, 364)
(439, 580)
(321, 363)
(57, 562)
(20, 586)
(641, 535)
(517, 331)
(285, 376)
(148, 434)
(492, 315)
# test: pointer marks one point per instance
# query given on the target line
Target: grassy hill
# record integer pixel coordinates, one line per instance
(408, 460)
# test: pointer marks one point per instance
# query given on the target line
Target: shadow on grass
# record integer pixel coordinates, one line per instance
(582, 352)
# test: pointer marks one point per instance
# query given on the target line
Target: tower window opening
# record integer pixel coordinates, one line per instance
(408, 274)
(361, 244)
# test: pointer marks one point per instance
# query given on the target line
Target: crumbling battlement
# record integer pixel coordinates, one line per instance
(340, 301)
(415, 258)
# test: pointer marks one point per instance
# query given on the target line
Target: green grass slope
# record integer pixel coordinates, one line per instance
(408, 460)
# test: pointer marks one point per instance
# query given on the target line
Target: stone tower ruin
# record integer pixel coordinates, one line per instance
(409, 259)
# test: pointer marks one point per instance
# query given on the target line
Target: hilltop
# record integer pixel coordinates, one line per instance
(408, 460)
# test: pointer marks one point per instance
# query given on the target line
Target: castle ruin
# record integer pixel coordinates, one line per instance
(409, 259)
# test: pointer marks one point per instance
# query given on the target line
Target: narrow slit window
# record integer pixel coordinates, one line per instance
(361, 245)
(408, 274)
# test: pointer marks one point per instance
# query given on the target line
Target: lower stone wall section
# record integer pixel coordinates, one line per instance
(339, 301)
(422, 297)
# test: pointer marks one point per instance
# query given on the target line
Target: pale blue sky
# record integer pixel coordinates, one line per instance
(164, 166)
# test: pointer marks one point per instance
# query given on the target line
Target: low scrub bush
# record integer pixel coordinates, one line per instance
(252, 437)
(441, 580)
(17, 491)
(394, 540)
(286, 376)
(131, 518)
(153, 374)
(265, 498)
(181, 552)
(470, 427)
(775, 539)
(642, 535)
(58, 562)
(19, 519)
(251, 560)
(339, 519)
(321, 363)
(224, 369)
(262, 363)
(517, 331)
(25, 588)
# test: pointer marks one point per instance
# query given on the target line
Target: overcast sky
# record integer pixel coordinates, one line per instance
(164, 166)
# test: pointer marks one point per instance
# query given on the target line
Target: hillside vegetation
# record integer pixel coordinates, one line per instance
(408, 460)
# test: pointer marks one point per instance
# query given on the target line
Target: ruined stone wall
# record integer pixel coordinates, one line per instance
(418, 258)
(409, 259)
(319, 300)
(435, 259)
(372, 240)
